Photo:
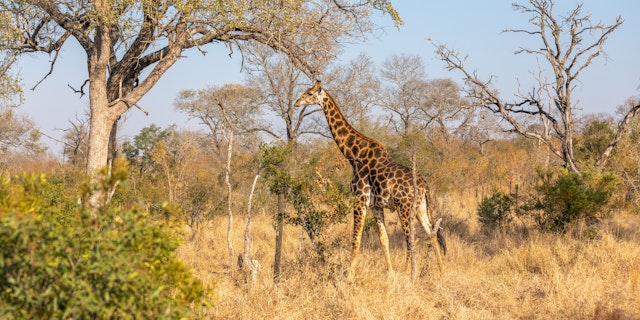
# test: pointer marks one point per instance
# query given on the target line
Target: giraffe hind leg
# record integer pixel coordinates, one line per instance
(426, 223)
(403, 215)
(384, 238)
(437, 239)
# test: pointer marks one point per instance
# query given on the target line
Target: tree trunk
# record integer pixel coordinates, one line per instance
(252, 265)
(567, 139)
(567, 153)
(102, 116)
(99, 133)
(102, 121)
(227, 172)
(113, 143)
(279, 228)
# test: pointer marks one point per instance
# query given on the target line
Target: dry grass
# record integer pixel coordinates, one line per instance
(537, 276)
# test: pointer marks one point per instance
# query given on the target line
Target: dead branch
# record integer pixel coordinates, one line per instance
(81, 90)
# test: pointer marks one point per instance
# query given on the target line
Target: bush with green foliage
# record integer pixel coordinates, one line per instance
(565, 198)
(58, 260)
(319, 204)
(496, 210)
(317, 201)
(593, 140)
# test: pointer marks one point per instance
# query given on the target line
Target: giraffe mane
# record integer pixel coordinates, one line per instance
(356, 131)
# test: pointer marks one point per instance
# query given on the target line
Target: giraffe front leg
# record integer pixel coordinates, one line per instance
(359, 214)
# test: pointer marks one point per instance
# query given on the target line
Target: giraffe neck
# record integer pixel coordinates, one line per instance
(350, 141)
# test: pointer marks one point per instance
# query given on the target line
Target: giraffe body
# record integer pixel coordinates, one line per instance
(378, 182)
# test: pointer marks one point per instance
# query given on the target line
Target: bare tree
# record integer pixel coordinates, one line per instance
(405, 87)
(246, 260)
(355, 85)
(75, 141)
(226, 111)
(415, 103)
(481, 130)
(279, 81)
(223, 108)
(18, 136)
(444, 106)
(568, 45)
(131, 44)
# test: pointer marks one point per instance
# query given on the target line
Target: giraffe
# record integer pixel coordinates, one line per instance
(378, 181)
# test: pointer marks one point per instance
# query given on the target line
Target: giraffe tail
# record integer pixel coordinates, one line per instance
(441, 241)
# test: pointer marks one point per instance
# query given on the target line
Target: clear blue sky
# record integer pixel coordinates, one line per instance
(470, 27)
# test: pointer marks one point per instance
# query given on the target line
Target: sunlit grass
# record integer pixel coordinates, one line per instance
(508, 275)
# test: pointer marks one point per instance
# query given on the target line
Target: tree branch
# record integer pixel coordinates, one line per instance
(81, 90)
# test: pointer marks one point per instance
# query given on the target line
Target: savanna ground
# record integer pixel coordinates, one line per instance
(518, 273)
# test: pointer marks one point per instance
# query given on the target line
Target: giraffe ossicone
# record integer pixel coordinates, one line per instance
(378, 182)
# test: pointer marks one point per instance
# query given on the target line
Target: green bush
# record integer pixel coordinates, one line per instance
(318, 205)
(565, 198)
(57, 261)
(496, 210)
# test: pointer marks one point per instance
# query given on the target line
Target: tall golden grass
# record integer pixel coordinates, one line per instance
(487, 275)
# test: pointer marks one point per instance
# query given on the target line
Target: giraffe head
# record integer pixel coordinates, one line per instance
(313, 95)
